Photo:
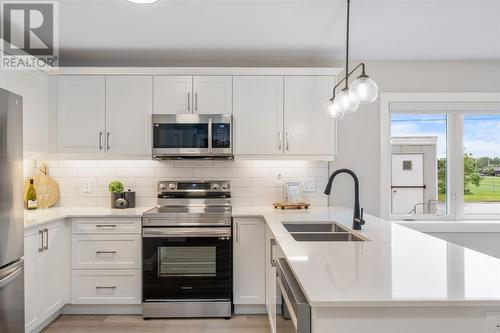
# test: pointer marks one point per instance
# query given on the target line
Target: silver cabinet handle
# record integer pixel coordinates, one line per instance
(105, 225)
(105, 252)
(100, 140)
(40, 232)
(105, 287)
(287, 141)
(272, 243)
(46, 247)
(237, 233)
(280, 140)
(107, 140)
(196, 101)
(189, 101)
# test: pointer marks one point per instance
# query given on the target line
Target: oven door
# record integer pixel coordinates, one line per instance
(187, 264)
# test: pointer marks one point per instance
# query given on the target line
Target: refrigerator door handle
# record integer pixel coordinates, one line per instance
(9, 273)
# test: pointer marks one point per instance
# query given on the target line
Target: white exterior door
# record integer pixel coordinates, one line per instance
(128, 114)
(249, 261)
(213, 94)
(81, 114)
(173, 94)
(258, 115)
(407, 183)
(308, 128)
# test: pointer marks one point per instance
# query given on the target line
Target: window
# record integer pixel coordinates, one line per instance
(440, 156)
(481, 164)
(419, 163)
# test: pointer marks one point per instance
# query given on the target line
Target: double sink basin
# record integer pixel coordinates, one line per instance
(321, 232)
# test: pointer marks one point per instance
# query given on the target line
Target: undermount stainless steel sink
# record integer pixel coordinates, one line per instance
(321, 232)
(314, 227)
(326, 237)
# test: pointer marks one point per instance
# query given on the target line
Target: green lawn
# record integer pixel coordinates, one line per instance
(487, 191)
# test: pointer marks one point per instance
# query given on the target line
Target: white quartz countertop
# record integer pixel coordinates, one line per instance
(38, 217)
(398, 266)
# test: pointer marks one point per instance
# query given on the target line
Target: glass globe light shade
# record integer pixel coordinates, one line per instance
(363, 90)
(333, 110)
(344, 103)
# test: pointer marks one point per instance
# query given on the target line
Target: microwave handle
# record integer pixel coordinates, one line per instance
(210, 135)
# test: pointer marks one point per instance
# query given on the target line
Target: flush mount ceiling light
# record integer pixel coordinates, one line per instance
(362, 91)
(143, 1)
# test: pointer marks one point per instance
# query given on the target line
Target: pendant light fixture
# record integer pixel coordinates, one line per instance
(362, 91)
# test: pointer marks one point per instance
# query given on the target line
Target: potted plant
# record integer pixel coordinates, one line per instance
(116, 188)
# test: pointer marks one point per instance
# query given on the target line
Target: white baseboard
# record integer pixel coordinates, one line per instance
(250, 309)
(47, 321)
(128, 309)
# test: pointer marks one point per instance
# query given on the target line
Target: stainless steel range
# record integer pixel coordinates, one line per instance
(187, 251)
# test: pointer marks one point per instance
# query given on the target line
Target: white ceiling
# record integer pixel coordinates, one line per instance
(275, 32)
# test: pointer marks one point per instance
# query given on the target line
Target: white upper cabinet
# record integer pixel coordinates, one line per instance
(308, 129)
(81, 114)
(128, 114)
(213, 94)
(258, 115)
(193, 94)
(32, 85)
(173, 94)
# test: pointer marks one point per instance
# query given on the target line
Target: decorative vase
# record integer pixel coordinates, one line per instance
(114, 197)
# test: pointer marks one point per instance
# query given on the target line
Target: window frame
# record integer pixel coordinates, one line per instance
(454, 105)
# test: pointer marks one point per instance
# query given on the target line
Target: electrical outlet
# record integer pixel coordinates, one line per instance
(87, 185)
(309, 185)
(492, 322)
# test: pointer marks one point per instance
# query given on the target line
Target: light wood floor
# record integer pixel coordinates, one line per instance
(135, 324)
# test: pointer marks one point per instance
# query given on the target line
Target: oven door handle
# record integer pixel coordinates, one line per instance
(186, 232)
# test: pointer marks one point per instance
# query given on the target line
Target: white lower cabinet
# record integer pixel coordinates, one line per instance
(106, 261)
(106, 251)
(270, 267)
(46, 272)
(249, 261)
(106, 287)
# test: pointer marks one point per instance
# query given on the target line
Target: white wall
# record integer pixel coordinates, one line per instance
(254, 182)
(358, 134)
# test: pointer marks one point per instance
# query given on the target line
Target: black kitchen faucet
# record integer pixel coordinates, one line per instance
(357, 220)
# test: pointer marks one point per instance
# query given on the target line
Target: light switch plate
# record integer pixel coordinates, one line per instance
(309, 185)
(87, 185)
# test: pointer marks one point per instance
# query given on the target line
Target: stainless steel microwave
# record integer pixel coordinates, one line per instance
(192, 136)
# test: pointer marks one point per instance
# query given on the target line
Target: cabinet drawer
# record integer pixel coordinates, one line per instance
(106, 287)
(107, 226)
(106, 251)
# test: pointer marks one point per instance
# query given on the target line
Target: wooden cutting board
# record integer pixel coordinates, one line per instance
(43, 184)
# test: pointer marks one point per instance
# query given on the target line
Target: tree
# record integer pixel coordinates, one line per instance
(471, 173)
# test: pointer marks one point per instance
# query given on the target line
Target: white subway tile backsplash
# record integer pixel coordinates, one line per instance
(251, 172)
(63, 172)
(96, 172)
(221, 173)
(173, 172)
(254, 182)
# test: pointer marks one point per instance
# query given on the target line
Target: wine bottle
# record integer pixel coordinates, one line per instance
(31, 197)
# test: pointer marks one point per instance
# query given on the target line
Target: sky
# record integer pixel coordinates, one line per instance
(481, 132)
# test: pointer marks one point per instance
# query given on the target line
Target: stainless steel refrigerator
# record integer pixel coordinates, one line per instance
(11, 214)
